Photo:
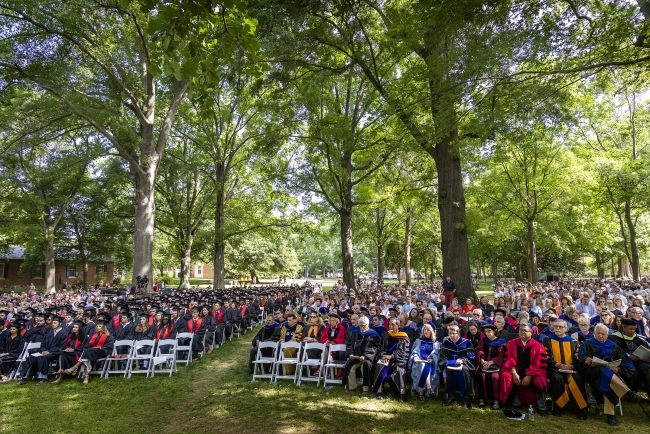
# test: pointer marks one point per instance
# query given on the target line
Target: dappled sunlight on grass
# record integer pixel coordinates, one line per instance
(216, 395)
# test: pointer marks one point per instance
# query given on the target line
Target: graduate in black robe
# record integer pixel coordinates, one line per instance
(10, 349)
(198, 327)
(51, 346)
(210, 327)
(98, 346)
(72, 350)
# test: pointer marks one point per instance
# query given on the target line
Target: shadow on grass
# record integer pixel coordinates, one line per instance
(216, 395)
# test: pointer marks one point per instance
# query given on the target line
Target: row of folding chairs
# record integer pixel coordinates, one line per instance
(292, 361)
(141, 357)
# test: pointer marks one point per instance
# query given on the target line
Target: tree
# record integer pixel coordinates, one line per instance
(43, 165)
(187, 193)
(98, 221)
(115, 64)
(526, 179)
(613, 130)
(345, 142)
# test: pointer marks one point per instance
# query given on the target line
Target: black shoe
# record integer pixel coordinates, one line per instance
(611, 420)
(402, 397)
(543, 413)
(250, 372)
(633, 396)
(379, 397)
(582, 415)
(448, 402)
(556, 412)
(467, 404)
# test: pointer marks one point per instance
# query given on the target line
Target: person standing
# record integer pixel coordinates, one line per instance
(448, 290)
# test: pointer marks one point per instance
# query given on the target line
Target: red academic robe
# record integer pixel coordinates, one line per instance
(536, 370)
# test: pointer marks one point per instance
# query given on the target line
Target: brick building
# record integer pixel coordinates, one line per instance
(65, 271)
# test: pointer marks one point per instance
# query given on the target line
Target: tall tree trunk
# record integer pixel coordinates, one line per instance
(451, 207)
(253, 276)
(532, 252)
(380, 262)
(219, 242)
(407, 247)
(50, 266)
(495, 272)
(347, 248)
(186, 263)
(518, 275)
(84, 273)
(144, 220)
(599, 265)
(634, 249)
(624, 269)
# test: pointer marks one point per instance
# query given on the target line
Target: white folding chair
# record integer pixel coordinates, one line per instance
(164, 360)
(306, 364)
(215, 345)
(261, 360)
(141, 355)
(284, 361)
(118, 361)
(331, 366)
(184, 349)
(29, 346)
(262, 315)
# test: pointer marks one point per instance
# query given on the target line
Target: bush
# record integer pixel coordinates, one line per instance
(100, 277)
(117, 280)
(165, 278)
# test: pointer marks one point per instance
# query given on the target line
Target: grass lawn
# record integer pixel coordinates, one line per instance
(216, 395)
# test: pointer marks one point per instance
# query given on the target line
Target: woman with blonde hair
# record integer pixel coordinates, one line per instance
(424, 363)
(98, 346)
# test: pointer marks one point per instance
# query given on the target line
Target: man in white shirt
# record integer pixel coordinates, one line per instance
(585, 305)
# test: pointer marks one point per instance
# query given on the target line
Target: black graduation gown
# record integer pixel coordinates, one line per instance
(641, 368)
(96, 352)
(53, 344)
(70, 358)
(199, 332)
(12, 347)
(210, 327)
(368, 345)
(124, 332)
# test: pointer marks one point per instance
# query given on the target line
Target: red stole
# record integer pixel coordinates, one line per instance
(151, 320)
(102, 340)
(167, 331)
(77, 344)
(190, 325)
(116, 321)
(219, 316)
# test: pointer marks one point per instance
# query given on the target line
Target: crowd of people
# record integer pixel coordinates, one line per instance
(76, 329)
(566, 346)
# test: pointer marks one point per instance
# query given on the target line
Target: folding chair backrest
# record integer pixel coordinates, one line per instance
(143, 343)
(290, 344)
(183, 337)
(311, 346)
(334, 349)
